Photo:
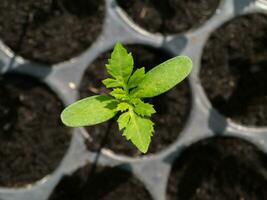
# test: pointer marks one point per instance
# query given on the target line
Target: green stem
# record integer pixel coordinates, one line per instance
(125, 87)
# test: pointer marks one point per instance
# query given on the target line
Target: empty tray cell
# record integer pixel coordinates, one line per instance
(101, 184)
(233, 71)
(50, 31)
(32, 139)
(169, 16)
(219, 169)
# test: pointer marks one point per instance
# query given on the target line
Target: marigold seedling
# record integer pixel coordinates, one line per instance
(128, 90)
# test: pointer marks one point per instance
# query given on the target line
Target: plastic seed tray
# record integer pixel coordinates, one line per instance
(204, 121)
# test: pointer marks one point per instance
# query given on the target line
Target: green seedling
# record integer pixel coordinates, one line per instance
(126, 98)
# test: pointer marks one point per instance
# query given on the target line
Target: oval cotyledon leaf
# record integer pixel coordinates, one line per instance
(163, 77)
(89, 111)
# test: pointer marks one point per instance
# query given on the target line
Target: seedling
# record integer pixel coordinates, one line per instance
(126, 98)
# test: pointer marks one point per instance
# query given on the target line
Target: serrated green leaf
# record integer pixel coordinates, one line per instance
(144, 109)
(89, 111)
(112, 83)
(139, 130)
(123, 120)
(163, 77)
(120, 65)
(136, 101)
(136, 78)
(123, 106)
(119, 93)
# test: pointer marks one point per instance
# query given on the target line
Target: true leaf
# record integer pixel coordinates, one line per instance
(112, 83)
(123, 120)
(163, 77)
(144, 109)
(136, 78)
(119, 93)
(139, 130)
(123, 106)
(120, 65)
(89, 111)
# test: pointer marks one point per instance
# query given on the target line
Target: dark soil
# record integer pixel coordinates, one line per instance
(234, 70)
(169, 16)
(105, 184)
(50, 31)
(172, 107)
(219, 169)
(32, 139)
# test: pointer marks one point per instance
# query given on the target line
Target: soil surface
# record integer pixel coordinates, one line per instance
(234, 70)
(219, 169)
(172, 107)
(50, 31)
(169, 16)
(104, 184)
(32, 139)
